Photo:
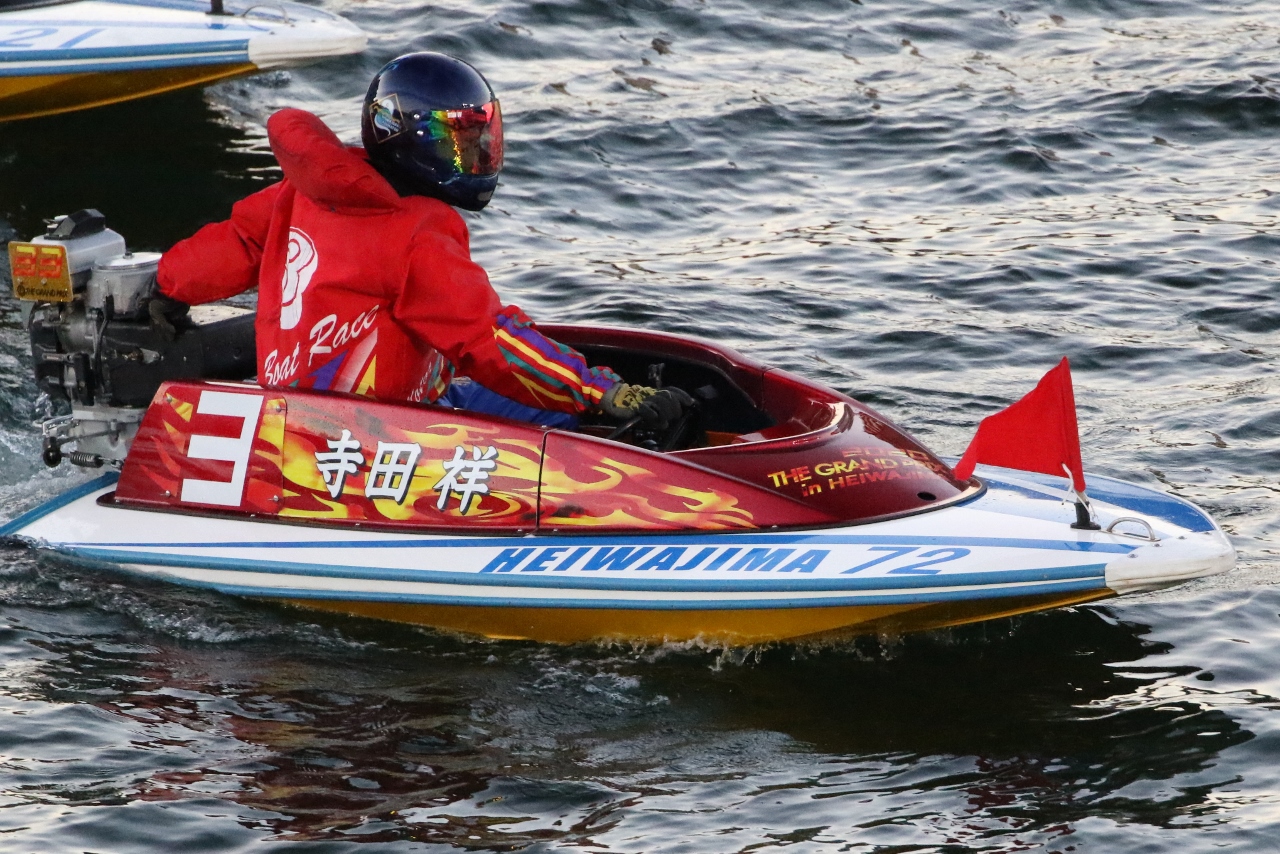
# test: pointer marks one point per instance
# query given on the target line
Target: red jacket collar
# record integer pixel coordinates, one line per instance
(320, 167)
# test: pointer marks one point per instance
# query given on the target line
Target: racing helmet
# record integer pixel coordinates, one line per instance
(432, 126)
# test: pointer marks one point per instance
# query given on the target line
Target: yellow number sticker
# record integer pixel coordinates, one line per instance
(40, 272)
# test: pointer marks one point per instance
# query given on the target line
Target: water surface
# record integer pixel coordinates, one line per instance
(922, 204)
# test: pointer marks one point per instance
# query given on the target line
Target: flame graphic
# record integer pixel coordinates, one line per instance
(624, 495)
(587, 485)
(513, 486)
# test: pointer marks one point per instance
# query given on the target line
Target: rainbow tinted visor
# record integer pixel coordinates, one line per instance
(469, 138)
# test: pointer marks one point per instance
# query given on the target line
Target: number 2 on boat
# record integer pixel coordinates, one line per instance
(937, 555)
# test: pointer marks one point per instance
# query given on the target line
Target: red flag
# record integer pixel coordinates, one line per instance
(1038, 433)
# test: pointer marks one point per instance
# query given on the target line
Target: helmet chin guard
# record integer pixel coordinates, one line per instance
(432, 126)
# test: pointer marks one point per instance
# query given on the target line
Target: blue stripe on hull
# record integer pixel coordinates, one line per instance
(684, 583)
(1080, 585)
(227, 25)
(42, 510)
(1129, 496)
(126, 65)
(670, 538)
(126, 51)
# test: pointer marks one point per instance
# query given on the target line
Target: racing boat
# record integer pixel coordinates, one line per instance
(777, 509)
(60, 55)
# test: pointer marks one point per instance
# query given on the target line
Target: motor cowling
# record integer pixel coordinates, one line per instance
(94, 344)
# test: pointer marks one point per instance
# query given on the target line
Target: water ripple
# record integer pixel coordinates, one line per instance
(922, 204)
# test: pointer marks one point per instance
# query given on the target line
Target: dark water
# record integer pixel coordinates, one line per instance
(923, 204)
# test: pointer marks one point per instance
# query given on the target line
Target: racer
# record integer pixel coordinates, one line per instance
(363, 268)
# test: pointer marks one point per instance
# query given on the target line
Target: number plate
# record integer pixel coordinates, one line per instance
(40, 272)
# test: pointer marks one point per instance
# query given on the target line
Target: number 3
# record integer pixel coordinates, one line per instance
(235, 451)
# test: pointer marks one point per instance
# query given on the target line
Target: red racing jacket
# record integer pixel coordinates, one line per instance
(362, 290)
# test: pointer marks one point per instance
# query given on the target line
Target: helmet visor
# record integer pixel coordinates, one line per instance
(468, 137)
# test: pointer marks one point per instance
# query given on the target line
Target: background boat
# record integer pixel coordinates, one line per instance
(59, 56)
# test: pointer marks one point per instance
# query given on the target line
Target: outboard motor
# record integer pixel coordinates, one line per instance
(97, 346)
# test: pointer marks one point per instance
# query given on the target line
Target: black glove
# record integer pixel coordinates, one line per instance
(664, 407)
(656, 408)
(165, 312)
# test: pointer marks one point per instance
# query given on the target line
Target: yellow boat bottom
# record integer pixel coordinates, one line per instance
(719, 627)
(45, 95)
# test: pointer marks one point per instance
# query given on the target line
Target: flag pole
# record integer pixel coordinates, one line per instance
(1084, 519)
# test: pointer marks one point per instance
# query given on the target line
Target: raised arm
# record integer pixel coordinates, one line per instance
(221, 259)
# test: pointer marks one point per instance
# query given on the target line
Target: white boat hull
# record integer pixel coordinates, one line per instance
(1007, 551)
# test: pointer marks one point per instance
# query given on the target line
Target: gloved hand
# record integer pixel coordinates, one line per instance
(656, 408)
(164, 312)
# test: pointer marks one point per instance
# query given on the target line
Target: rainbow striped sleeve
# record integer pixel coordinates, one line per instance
(555, 375)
